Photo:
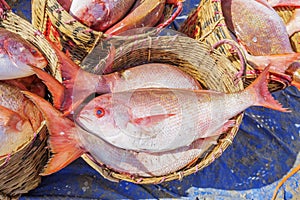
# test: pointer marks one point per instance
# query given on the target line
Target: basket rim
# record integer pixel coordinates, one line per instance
(208, 159)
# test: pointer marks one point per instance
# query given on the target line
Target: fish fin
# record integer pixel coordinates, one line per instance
(56, 89)
(284, 3)
(61, 129)
(109, 60)
(10, 119)
(229, 124)
(150, 120)
(69, 69)
(264, 97)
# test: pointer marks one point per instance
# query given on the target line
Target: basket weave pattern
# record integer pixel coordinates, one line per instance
(73, 37)
(19, 172)
(212, 69)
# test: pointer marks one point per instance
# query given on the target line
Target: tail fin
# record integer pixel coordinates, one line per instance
(63, 146)
(69, 71)
(68, 68)
(263, 96)
(54, 86)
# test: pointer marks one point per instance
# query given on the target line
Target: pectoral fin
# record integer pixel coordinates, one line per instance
(10, 119)
(150, 120)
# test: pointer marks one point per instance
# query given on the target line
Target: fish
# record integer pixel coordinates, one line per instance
(145, 13)
(163, 119)
(292, 25)
(79, 84)
(69, 139)
(31, 83)
(19, 119)
(17, 56)
(68, 142)
(100, 15)
(66, 4)
(262, 34)
(257, 27)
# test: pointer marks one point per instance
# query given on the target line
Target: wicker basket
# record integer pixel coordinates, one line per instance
(206, 23)
(19, 172)
(70, 35)
(212, 69)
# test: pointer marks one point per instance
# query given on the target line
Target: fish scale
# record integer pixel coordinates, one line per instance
(257, 26)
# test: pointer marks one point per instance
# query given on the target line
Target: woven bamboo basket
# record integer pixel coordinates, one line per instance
(71, 36)
(19, 172)
(212, 69)
(206, 23)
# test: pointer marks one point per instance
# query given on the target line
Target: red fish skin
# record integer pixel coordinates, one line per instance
(101, 14)
(146, 14)
(19, 118)
(66, 4)
(30, 83)
(258, 27)
(17, 55)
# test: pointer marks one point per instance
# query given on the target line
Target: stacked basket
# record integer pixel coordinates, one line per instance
(70, 35)
(19, 172)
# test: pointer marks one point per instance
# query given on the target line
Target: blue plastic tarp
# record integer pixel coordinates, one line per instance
(265, 149)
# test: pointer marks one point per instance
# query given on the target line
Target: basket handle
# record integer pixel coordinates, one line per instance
(235, 46)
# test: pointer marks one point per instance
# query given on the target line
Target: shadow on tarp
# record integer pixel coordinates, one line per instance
(263, 151)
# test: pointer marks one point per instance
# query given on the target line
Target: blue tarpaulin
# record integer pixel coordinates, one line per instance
(265, 149)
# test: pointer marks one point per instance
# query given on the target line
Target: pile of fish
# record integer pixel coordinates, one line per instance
(19, 117)
(148, 120)
(114, 17)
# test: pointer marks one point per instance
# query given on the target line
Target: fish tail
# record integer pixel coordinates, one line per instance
(263, 96)
(68, 68)
(64, 147)
(54, 86)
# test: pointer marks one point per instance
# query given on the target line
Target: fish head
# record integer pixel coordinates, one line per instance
(23, 53)
(97, 115)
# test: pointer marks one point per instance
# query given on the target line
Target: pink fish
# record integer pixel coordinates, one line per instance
(262, 33)
(66, 4)
(293, 24)
(101, 14)
(68, 141)
(17, 56)
(79, 84)
(19, 119)
(155, 120)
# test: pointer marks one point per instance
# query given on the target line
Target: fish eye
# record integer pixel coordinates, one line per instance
(99, 112)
